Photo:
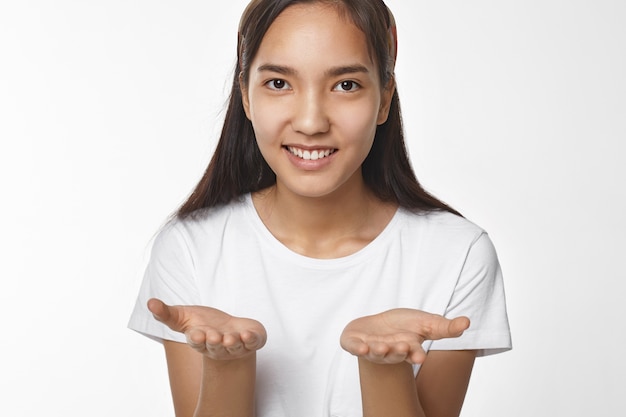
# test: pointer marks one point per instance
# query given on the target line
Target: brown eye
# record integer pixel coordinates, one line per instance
(348, 86)
(277, 84)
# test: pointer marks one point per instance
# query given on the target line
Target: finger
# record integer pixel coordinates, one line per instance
(398, 352)
(232, 342)
(382, 353)
(236, 350)
(379, 349)
(442, 328)
(377, 352)
(416, 356)
(196, 339)
(354, 345)
(158, 309)
(168, 315)
(213, 337)
(217, 352)
(202, 342)
(459, 325)
(252, 341)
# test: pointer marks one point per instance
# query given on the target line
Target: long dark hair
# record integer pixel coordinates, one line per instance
(237, 166)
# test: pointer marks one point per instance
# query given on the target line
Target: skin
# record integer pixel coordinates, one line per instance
(214, 373)
(309, 92)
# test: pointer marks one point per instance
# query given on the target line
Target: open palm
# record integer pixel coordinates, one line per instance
(397, 335)
(210, 331)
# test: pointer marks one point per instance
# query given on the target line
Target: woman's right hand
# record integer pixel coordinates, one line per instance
(211, 332)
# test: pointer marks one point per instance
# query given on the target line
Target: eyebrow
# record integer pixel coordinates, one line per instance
(332, 72)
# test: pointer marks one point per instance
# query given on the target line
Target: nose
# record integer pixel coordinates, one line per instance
(310, 114)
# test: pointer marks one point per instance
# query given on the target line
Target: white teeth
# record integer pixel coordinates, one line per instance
(310, 155)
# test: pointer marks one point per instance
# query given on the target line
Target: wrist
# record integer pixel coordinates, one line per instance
(388, 389)
(221, 365)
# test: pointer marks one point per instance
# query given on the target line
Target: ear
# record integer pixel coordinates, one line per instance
(385, 101)
(244, 96)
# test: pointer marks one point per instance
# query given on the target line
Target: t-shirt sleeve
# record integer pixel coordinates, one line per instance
(479, 295)
(170, 277)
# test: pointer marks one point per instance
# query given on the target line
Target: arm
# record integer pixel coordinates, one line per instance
(184, 366)
(214, 373)
(205, 387)
(388, 343)
(443, 380)
(388, 390)
(438, 390)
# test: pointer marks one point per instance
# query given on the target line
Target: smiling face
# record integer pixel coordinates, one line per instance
(314, 99)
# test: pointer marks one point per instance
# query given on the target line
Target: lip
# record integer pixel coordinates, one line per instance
(309, 164)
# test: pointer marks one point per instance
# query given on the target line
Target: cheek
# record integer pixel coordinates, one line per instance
(359, 125)
(266, 120)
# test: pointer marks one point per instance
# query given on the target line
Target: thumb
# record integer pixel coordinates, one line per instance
(443, 328)
(457, 326)
(162, 312)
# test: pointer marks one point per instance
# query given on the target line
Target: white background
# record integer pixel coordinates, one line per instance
(516, 115)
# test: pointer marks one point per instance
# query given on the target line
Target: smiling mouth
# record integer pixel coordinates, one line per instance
(310, 155)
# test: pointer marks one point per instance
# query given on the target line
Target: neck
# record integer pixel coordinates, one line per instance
(331, 226)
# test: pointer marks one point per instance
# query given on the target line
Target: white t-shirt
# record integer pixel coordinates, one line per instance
(227, 259)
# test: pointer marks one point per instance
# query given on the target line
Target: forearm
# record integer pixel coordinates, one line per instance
(227, 388)
(388, 390)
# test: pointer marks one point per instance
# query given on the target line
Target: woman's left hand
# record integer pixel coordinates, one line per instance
(397, 335)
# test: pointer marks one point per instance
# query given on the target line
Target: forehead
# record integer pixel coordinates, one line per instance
(320, 27)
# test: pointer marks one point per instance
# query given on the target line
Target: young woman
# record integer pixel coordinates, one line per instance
(309, 273)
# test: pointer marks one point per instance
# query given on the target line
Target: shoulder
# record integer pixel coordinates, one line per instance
(440, 226)
(201, 227)
(447, 241)
(207, 219)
